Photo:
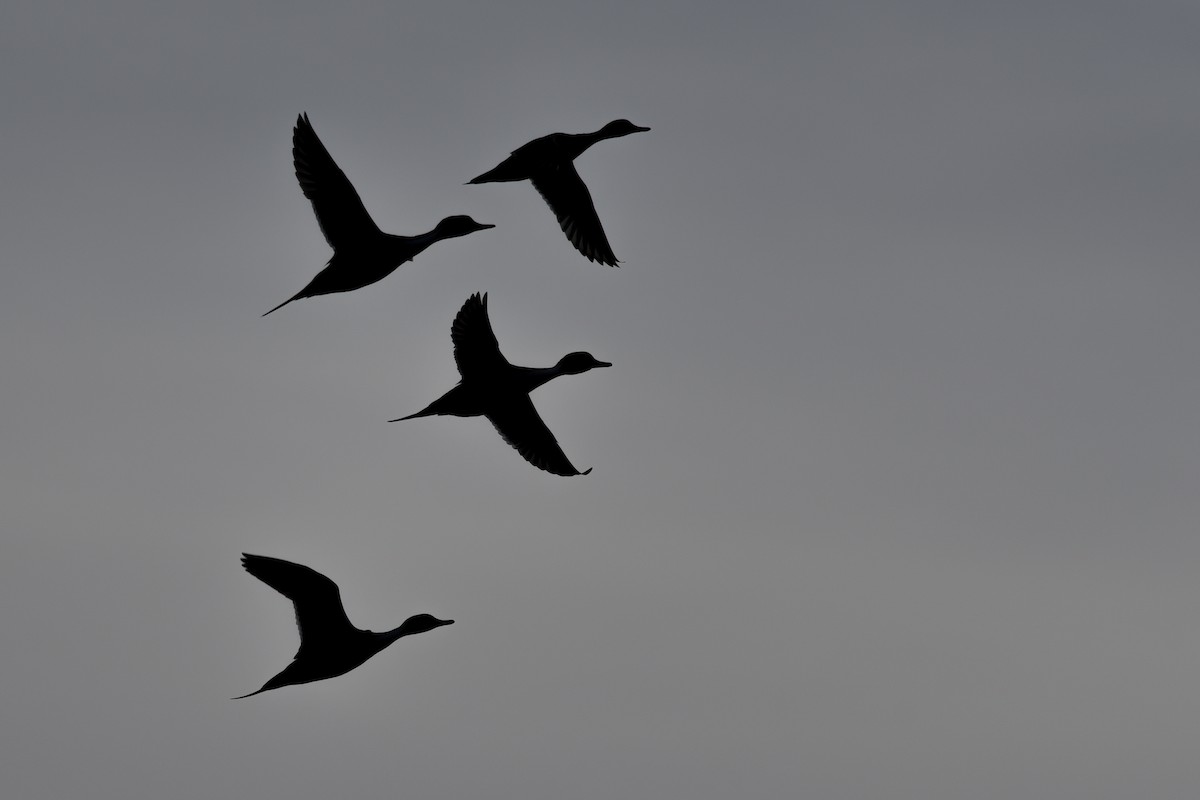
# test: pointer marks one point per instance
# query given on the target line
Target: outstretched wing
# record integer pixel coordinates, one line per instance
(476, 351)
(319, 613)
(568, 197)
(340, 212)
(518, 422)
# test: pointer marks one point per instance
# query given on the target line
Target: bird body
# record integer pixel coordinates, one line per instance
(492, 387)
(548, 163)
(362, 254)
(329, 644)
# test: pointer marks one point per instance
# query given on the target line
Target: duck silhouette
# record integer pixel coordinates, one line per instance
(362, 254)
(493, 388)
(548, 163)
(329, 644)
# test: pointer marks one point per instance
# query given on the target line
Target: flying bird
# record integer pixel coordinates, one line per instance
(548, 163)
(362, 254)
(493, 388)
(329, 644)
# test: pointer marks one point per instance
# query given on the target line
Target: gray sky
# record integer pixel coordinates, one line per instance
(895, 489)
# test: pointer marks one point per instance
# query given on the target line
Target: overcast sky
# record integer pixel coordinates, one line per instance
(896, 470)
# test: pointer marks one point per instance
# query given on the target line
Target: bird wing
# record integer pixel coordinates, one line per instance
(318, 601)
(568, 197)
(340, 211)
(476, 351)
(518, 422)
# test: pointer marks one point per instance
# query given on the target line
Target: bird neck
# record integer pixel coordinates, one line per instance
(387, 637)
(576, 143)
(409, 246)
(533, 377)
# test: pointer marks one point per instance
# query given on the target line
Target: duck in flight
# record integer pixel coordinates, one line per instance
(548, 163)
(362, 254)
(493, 388)
(329, 644)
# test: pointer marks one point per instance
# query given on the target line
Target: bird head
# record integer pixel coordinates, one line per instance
(575, 363)
(620, 127)
(421, 623)
(459, 225)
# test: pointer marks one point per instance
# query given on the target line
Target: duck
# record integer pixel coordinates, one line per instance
(548, 163)
(362, 254)
(492, 387)
(329, 644)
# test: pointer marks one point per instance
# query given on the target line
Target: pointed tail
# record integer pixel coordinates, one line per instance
(284, 303)
(502, 173)
(425, 413)
(449, 404)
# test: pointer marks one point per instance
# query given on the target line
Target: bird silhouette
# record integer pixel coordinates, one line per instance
(329, 644)
(493, 388)
(548, 163)
(362, 254)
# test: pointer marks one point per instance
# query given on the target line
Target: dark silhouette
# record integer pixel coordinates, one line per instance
(329, 644)
(362, 254)
(548, 164)
(493, 388)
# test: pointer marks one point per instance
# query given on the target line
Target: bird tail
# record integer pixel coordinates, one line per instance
(296, 296)
(424, 413)
(503, 173)
(284, 678)
(453, 403)
(449, 404)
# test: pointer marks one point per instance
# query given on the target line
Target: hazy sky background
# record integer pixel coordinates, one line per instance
(895, 489)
